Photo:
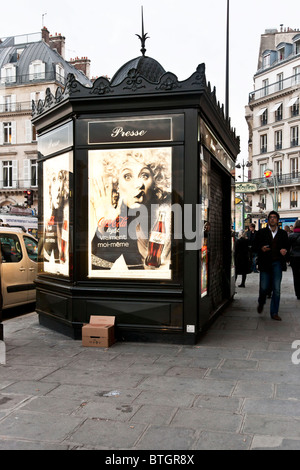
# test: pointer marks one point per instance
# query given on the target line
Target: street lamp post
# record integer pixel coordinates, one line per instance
(243, 165)
(268, 173)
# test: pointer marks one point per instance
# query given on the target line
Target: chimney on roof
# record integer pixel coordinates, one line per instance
(45, 35)
(82, 64)
(58, 42)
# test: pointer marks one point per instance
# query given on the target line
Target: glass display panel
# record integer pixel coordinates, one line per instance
(129, 194)
(57, 173)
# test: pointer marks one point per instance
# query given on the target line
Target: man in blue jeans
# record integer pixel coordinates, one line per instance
(271, 244)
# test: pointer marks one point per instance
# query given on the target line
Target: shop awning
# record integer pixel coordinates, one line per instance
(292, 101)
(261, 111)
(276, 107)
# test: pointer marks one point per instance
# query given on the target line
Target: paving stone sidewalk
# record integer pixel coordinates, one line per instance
(238, 388)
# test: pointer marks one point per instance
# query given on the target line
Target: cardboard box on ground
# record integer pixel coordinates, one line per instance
(100, 332)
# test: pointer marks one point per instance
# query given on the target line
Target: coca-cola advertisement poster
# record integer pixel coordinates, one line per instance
(56, 182)
(130, 213)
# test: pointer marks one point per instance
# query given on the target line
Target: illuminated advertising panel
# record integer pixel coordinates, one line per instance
(129, 193)
(57, 173)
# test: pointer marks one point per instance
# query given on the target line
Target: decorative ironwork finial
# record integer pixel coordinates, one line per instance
(143, 37)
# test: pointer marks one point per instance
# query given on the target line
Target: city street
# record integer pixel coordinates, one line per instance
(238, 388)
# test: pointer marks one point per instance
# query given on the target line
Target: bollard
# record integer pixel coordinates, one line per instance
(2, 353)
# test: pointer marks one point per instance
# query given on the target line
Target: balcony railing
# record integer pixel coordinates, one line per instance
(32, 78)
(282, 180)
(275, 87)
(12, 185)
(15, 107)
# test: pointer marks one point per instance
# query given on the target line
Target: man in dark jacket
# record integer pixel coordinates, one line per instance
(251, 237)
(294, 255)
(271, 245)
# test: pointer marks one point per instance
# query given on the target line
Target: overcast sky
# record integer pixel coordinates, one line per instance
(182, 34)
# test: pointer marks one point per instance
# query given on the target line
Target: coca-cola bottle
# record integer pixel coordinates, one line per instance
(64, 240)
(156, 242)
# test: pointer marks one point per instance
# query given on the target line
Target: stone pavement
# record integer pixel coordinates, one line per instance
(238, 388)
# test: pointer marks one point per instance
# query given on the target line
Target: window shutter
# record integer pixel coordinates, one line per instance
(31, 72)
(1, 174)
(28, 131)
(43, 67)
(26, 182)
(13, 132)
(1, 133)
(15, 173)
(14, 74)
(13, 102)
(3, 75)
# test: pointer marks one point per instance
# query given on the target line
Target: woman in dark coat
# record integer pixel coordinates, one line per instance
(242, 257)
(294, 256)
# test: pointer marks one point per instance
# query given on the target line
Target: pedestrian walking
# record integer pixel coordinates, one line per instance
(251, 237)
(242, 257)
(271, 244)
(294, 255)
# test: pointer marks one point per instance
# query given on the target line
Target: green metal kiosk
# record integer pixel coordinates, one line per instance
(136, 204)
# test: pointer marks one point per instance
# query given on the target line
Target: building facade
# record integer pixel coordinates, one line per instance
(29, 64)
(273, 119)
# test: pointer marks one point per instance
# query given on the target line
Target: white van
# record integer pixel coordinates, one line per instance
(18, 267)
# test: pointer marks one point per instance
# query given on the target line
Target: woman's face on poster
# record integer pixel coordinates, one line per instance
(135, 184)
(57, 189)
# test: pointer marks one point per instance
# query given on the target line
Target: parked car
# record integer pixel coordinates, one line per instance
(18, 267)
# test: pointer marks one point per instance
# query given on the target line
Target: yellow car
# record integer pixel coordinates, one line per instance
(18, 267)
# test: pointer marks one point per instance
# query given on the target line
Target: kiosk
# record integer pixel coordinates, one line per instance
(136, 204)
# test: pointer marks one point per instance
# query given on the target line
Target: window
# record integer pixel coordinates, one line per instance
(266, 61)
(278, 140)
(265, 87)
(10, 248)
(278, 168)
(263, 143)
(264, 118)
(262, 169)
(294, 136)
(8, 74)
(281, 54)
(7, 174)
(278, 113)
(294, 167)
(30, 172)
(31, 247)
(297, 47)
(279, 200)
(34, 137)
(34, 172)
(30, 132)
(37, 70)
(60, 73)
(7, 133)
(295, 108)
(262, 201)
(296, 75)
(294, 199)
(7, 103)
(280, 81)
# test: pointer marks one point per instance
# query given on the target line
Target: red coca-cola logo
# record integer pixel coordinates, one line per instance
(116, 223)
